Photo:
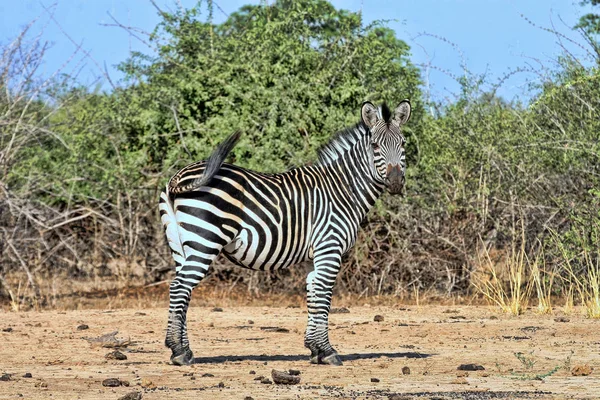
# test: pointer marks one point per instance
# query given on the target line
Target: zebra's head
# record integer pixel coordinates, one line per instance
(387, 142)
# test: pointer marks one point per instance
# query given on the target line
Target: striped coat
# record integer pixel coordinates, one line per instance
(270, 221)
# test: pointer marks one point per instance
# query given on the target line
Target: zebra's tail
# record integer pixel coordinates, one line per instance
(213, 164)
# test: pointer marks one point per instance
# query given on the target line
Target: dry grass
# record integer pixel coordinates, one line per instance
(586, 285)
(543, 286)
(504, 282)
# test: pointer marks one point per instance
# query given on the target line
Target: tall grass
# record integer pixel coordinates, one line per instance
(542, 281)
(587, 283)
(505, 282)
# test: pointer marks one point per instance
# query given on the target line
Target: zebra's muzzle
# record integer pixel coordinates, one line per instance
(395, 179)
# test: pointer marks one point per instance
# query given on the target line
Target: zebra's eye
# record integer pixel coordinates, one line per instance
(375, 146)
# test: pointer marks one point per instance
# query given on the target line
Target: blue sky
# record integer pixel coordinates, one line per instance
(490, 36)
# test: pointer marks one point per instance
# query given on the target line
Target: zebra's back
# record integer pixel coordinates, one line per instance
(260, 221)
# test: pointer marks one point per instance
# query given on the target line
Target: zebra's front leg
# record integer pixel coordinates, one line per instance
(319, 285)
(180, 294)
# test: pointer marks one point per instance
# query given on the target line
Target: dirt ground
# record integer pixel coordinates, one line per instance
(530, 356)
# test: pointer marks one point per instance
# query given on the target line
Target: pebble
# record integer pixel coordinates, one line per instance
(147, 383)
(378, 318)
(83, 327)
(132, 396)
(115, 355)
(405, 371)
(470, 367)
(581, 370)
(111, 382)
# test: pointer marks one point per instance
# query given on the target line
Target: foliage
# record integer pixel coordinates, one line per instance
(590, 22)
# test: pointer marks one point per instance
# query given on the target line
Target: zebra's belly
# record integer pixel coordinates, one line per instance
(259, 251)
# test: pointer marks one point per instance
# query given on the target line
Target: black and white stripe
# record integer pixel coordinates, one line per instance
(269, 221)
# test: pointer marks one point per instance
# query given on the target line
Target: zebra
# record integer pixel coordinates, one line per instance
(270, 221)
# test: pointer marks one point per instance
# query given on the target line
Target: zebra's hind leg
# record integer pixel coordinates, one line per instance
(319, 285)
(191, 273)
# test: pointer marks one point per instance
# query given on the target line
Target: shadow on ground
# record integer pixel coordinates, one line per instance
(304, 357)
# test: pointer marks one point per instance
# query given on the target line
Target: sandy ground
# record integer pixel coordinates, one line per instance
(232, 349)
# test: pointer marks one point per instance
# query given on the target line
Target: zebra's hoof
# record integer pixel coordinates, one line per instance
(185, 358)
(332, 359)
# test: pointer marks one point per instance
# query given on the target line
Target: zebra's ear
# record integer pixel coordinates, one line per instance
(369, 114)
(402, 113)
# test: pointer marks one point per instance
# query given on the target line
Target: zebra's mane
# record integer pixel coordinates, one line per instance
(341, 142)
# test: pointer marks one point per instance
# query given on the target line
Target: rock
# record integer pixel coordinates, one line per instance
(339, 310)
(115, 355)
(83, 327)
(561, 319)
(375, 380)
(147, 384)
(132, 396)
(470, 367)
(217, 309)
(266, 381)
(252, 372)
(5, 377)
(581, 370)
(405, 371)
(111, 382)
(207, 375)
(221, 385)
(139, 313)
(27, 375)
(378, 318)
(9, 329)
(250, 322)
(283, 378)
(259, 378)
(294, 372)
(248, 398)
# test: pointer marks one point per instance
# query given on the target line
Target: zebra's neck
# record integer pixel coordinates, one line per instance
(355, 167)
